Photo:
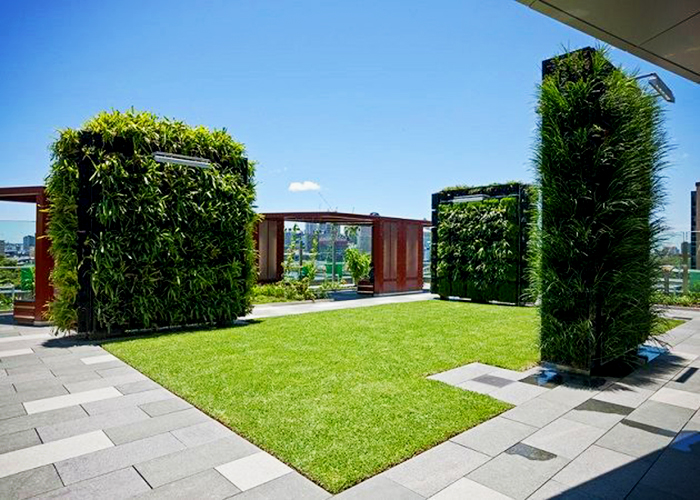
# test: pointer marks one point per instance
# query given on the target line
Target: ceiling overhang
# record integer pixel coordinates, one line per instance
(665, 33)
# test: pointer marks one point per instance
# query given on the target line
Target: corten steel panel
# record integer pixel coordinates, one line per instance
(270, 237)
(378, 255)
(401, 229)
(43, 291)
(279, 253)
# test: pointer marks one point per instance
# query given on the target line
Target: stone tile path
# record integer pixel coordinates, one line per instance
(75, 422)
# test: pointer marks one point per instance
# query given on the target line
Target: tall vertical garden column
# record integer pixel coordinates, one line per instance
(599, 160)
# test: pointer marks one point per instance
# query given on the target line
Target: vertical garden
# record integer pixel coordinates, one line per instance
(599, 161)
(139, 243)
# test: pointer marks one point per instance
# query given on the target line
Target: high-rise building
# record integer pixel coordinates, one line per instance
(28, 242)
(694, 226)
(2, 247)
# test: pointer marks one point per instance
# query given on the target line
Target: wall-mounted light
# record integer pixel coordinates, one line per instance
(469, 198)
(658, 84)
(190, 161)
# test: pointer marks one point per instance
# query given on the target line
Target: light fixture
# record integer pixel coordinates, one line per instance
(190, 161)
(469, 198)
(658, 84)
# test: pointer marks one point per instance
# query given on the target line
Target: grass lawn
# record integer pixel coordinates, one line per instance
(342, 395)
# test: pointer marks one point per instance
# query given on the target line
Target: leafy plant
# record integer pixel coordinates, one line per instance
(358, 263)
(599, 160)
(174, 244)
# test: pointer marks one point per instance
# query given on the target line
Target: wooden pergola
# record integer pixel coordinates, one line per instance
(33, 312)
(397, 246)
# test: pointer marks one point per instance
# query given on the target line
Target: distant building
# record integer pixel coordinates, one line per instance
(694, 226)
(2, 247)
(28, 242)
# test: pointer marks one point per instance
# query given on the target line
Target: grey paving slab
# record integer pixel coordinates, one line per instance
(661, 415)
(190, 461)
(379, 487)
(165, 406)
(127, 401)
(536, 412)
(517, 474)
(24, 422)
(493, 380)
(647, 492)
(35, 394)
(253, 470)
(13, 410)
(104, 382)
(19, 440)
(291, 486)
(6, 390)
(624, 395)
(32, 385)
(463, 373)
(116, 371)
(30, 483)
(155, 425)
(436, 468)
(117, 485)
(35, 374)
(569, 396)
(198, 434)
(465, 488)
(688, 347)
(207, 485)
(494, 436)
(677, 397)
(73, 427)
(555, 490)
(133, 387)
(480, 387)
(565, 438)
(518, 393)
(635, 440)
(599, 414)
(119, 457)
(675, 473)
(603, 473)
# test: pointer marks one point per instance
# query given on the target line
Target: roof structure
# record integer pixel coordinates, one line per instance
(337, 218)
(665, 33)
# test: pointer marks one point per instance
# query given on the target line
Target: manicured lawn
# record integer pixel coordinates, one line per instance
(342, 395)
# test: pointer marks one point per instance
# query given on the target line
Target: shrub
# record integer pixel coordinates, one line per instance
(358, 263)
(479, 246)
(599, 161)
(170, 244)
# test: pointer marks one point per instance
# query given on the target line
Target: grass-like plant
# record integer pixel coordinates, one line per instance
(173, 244)
(599, 162)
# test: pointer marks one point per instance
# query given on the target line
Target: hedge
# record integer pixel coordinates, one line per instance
(480, 246)
(166, 244)
(599, 160)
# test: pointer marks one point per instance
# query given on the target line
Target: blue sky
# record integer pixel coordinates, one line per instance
(378, 102)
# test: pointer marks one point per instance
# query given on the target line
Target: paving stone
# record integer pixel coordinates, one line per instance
(688, 348)
(599, 413)
(253, 470)
(190, 461)
(116, 371)
(117, 457)
(37, 374)
(128, 401)
(480, 387)
(637, 440)
(6, 390)
(156, 408)
(519, 471)
(291, 486)
(32, 385)
(89, 385)
(675, 473)
(36, 336)
(15, 352)
(494, 436)
(640, 382)
(103, 358)
(555, 490)
(42, 393)
(436, 468)
(22, 364)
(493, 380)
(677, 398)
(44, 454)
(458, 375)
(62, 430)
(207, 485)
(198, 434)
(569, 396)
(379, 487)
(661, 415)
(536, 412)
(155, 425)
(624, 395)
(518, 393)
(54, 403)
(13, 410)
(141, 385)
(646, 492)
(565, 438)
(30, 483)
(466, 488)
(603, 473)
(117, 485)
(24, 422)
(19, 440)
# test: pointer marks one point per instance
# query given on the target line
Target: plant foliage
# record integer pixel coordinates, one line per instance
(599, 161)
(358, 263)
(174, 243)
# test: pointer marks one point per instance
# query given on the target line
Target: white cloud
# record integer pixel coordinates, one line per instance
(295, 187)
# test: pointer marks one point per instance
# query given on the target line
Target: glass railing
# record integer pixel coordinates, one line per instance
(17, 245)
